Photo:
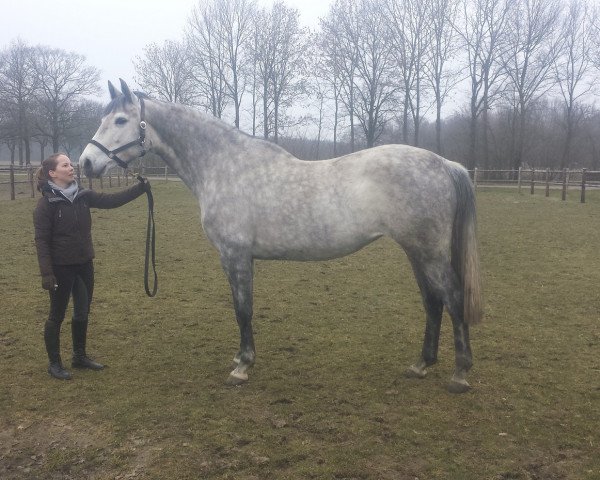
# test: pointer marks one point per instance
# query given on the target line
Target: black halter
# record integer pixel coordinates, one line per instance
(112, 154)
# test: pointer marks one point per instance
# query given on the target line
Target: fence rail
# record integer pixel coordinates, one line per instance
(531, 178)
(20, 180)
(14, 176)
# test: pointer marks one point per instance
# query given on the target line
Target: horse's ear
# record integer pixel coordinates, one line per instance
(130, 97)
(114, 93)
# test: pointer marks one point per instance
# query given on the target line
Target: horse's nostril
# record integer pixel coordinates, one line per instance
(86, 166)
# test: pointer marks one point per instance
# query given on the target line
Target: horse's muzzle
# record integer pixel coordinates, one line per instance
(85, 164)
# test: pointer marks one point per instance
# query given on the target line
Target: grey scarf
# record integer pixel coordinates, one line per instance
(69, 192)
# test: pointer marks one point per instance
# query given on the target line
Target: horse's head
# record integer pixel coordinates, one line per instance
(121, 136)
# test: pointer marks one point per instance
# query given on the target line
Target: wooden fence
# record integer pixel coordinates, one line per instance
(21, 181)
(545, 179)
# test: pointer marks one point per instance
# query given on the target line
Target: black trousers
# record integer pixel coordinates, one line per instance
(76, 281)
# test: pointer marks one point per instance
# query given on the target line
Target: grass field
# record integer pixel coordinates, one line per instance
(327, 398)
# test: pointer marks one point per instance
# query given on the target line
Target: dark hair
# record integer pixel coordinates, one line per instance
(43, 174)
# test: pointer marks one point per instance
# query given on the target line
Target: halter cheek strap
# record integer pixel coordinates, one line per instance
(112, 154)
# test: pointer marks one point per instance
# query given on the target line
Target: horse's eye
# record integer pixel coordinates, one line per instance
(121, 121)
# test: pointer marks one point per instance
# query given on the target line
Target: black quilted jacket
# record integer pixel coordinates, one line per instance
(63, 230)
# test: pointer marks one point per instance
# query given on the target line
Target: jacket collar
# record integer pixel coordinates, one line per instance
(55, 196)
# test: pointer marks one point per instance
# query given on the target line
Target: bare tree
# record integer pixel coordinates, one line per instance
(328, 69)
(339, 31)
(441, 50)
(220, 38)
(85, 119)
(18, 83)
(411, 33)
(573, 68)
(280, 58)
(534, 45)
(234, 26)
(322, 94)
(208, 53)
(64, 80)
(375, 71)
(483, 36)
(165, 71)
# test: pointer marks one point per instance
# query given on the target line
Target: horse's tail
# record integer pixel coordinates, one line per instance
(465, 256)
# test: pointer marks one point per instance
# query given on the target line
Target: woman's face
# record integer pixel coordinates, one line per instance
(63, 174)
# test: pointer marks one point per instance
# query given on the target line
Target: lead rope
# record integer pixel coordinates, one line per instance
(150, 241)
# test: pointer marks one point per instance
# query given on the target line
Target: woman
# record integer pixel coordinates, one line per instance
(63, 240)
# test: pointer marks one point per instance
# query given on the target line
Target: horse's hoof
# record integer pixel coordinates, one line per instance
(415, 372)
(458, 386)
(236, 379)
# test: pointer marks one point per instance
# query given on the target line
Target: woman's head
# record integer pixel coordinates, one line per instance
(56, 168)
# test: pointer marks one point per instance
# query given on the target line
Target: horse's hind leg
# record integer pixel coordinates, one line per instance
(433, 309)
(453, 300)
(239, 273)
(441, 282)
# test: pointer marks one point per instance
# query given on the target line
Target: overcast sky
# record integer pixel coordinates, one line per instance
(110, 33)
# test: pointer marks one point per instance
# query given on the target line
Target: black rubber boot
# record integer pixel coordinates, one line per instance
(57, 370)
(80, 359)
(52, 339)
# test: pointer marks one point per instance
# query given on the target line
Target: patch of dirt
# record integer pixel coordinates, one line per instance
(561, 466)
(65, 450)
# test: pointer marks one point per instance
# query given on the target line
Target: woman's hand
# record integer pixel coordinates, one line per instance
(49, 282)
(145, 183)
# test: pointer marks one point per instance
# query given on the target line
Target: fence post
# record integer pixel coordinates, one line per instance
(12, 181)
(519, 179)
(101, 183)
(110, 180)
(30, 178)
(475, 178)
(564, 185)
(532, 180)
(118, 178)
(90, 183)
(583, 172)
(547, 182)
(166, 173)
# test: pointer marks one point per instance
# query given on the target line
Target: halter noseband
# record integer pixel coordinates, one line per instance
(112, 154)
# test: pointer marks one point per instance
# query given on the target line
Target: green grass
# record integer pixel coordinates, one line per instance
(327, 398)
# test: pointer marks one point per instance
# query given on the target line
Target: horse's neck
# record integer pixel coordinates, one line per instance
(188, 142)
(205, 152)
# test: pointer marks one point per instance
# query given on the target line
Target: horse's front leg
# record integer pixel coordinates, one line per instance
(239, 273)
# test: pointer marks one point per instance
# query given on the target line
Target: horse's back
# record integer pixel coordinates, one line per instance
(327, 209)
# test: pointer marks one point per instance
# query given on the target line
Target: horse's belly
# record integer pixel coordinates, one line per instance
(306, 248)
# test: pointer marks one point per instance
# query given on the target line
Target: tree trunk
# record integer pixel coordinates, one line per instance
(565, 158)
(438, 125)
(471, 161)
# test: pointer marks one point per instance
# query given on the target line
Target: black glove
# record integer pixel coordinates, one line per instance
(49, 282)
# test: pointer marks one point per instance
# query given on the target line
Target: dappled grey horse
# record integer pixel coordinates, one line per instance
(258, 201)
